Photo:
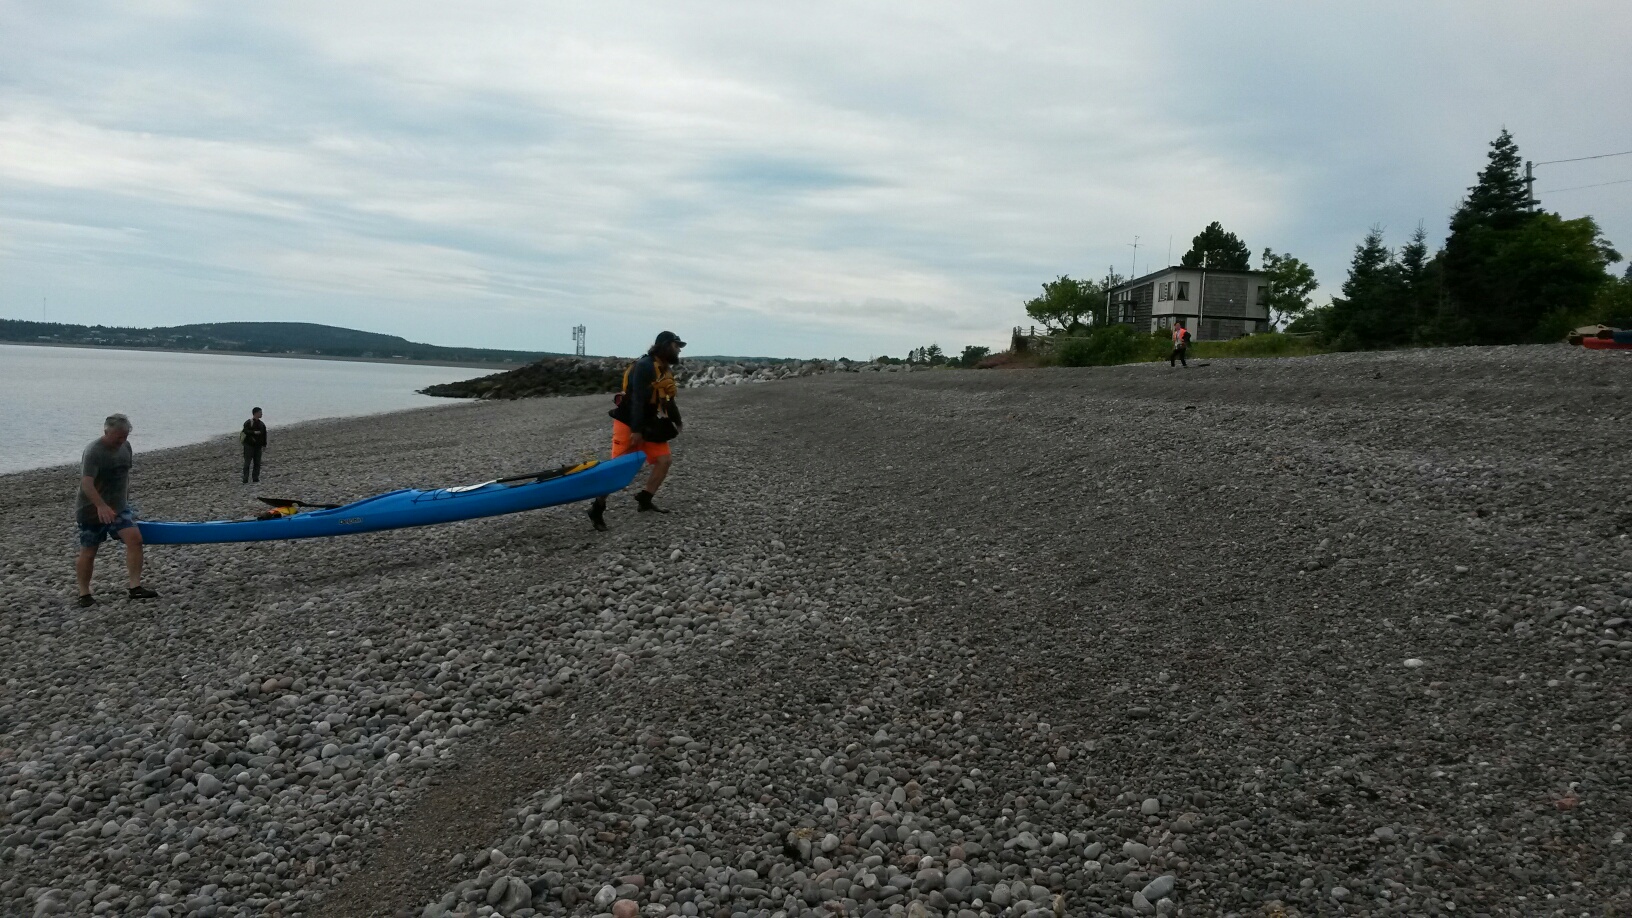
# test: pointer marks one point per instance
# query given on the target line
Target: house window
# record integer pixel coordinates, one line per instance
(1263, 295)
(1167, 291)
(1184, 290)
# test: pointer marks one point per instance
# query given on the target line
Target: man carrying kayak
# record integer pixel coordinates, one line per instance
(103, 507)
(645, 418)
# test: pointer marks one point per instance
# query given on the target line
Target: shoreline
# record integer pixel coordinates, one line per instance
(232, 440)
(456, 365)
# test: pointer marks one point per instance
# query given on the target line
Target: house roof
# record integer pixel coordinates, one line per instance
(1140, 281)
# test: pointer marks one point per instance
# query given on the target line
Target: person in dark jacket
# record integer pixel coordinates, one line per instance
(645, 418)
(254, 440)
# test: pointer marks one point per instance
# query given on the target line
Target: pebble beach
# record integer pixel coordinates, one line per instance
(1341, 635)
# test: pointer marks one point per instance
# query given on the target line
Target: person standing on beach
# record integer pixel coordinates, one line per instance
(254, 440)
(645, 418)
(1181, 344)
(102, 507)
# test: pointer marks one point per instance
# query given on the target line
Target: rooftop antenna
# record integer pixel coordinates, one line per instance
(1134, 271)
(578, 334)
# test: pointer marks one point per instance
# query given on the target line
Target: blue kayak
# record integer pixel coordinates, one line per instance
(412, 507)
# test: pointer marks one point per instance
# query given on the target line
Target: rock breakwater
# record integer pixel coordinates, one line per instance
(591, 375)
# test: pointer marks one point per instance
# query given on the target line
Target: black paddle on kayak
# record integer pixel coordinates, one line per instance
(283, 502)
(547, 475)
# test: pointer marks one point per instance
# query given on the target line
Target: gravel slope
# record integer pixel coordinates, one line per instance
(1342, 635)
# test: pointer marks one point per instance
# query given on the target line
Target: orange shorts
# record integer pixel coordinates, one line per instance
(620, 443)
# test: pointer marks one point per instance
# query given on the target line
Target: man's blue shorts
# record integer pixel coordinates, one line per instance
(93, 535)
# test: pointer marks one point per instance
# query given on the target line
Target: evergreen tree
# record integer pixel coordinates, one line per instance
(1507, 268)
(1214, 247)
(1501, 198)
(1367, 314)
(1370, 268)
(1414, 283)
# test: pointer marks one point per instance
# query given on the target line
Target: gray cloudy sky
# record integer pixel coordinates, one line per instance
(836, 179)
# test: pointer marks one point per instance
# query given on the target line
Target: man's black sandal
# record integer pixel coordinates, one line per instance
(142, 592)
(86, 600)
(598, 517)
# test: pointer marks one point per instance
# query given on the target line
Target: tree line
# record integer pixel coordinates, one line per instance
(931, 355)
(1508, 273)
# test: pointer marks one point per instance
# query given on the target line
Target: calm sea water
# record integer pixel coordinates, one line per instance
(53, 399)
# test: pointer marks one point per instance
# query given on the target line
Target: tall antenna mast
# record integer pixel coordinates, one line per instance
(1134, 271)
(578, 335)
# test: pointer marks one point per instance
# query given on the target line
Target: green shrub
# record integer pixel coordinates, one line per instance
(1106, 346)
(1612, 306)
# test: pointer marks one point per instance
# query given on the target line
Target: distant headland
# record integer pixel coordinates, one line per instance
(273, 339)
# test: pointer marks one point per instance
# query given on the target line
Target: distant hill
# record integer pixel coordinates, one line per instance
(259, 338)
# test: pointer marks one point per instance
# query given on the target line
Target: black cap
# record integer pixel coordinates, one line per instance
(669, 337)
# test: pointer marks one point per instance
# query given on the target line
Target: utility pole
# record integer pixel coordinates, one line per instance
(1134, 271)
(578, 335)
(1201, 300)
(1530, 184)
(1110, 272)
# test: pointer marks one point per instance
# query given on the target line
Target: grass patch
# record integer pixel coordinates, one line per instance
(1271, 344)
(1120, 344)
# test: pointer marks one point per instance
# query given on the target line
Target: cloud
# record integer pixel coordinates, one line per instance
(842, 177)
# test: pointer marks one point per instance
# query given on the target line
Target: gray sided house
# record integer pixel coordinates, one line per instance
(1216, 304)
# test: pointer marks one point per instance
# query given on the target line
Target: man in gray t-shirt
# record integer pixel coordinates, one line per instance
(102, 507)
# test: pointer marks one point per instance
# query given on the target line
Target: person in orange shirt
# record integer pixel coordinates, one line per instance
(1181, 344)
(645, 418)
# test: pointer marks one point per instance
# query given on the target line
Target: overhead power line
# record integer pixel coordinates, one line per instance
(1579, 187)
(1584, 158)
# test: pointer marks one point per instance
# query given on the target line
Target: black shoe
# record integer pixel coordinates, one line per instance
(646, 506)
(597, 515)
(142, 592)
(86, 600)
